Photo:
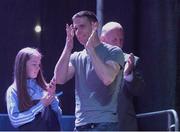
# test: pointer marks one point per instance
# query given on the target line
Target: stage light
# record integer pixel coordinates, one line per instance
(37, 28)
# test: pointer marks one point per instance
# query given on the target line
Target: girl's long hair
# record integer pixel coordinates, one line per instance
(20, 77)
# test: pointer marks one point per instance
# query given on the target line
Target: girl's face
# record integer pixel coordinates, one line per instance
(33, 66)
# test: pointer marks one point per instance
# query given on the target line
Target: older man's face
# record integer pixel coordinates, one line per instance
(114, 37)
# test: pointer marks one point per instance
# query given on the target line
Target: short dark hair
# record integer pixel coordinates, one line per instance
(90, 15)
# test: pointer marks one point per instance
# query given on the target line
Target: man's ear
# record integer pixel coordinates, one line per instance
(102, 38)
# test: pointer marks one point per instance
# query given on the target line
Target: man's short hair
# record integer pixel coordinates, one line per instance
(90, 15)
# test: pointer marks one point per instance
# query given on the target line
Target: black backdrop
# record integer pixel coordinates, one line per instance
(151, 32)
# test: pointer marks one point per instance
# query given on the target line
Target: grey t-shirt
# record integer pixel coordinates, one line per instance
(95, 102)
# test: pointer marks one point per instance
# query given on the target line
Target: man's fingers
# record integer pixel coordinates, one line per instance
(94, 26)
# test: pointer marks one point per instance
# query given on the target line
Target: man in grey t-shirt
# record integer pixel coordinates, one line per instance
(98, 72)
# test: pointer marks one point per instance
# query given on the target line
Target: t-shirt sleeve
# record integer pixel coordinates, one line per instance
(72, 58)
(116, 54)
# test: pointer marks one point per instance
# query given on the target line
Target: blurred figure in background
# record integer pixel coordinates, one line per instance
(31, 102)
(133, 85)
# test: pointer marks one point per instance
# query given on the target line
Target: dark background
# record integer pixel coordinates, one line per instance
(151, 32)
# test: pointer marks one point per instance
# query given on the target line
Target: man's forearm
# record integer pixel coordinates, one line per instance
(61, 68)
(105, 72)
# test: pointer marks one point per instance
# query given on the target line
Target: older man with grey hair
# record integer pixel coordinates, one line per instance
(112, 33)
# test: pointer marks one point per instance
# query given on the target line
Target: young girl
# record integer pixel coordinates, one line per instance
(31, 102)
